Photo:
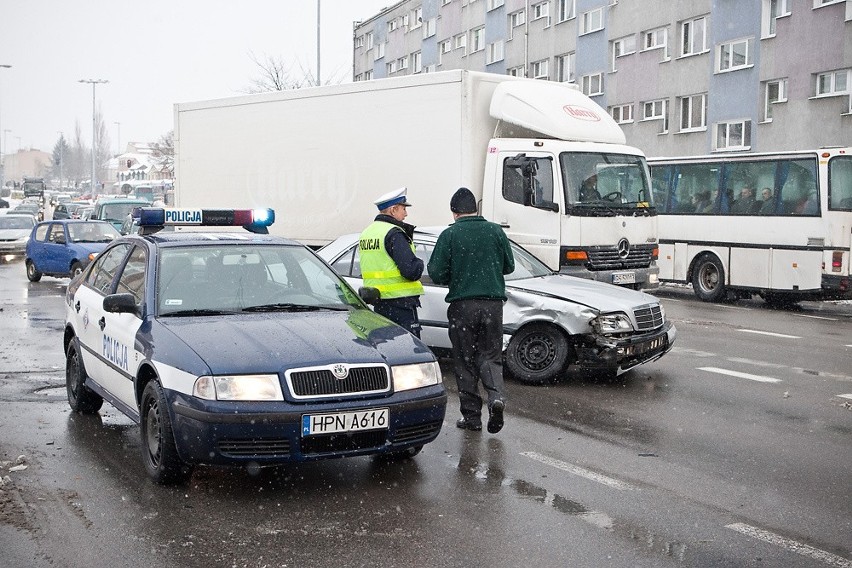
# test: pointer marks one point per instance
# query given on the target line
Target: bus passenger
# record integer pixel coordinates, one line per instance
(745, 204)
(767, 207)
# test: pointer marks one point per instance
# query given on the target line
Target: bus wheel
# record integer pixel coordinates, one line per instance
(708, 279)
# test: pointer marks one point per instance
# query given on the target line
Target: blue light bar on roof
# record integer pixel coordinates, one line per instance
(249, 218)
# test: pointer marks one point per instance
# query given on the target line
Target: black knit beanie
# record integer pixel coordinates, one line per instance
(463, 201)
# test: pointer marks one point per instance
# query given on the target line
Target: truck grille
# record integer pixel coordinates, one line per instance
(648, 317)
(321, 382)
(607, 258)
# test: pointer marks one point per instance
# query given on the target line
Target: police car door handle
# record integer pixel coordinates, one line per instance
(77, 306)
(102, 323)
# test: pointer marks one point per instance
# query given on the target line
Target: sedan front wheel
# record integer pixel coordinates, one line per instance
(537, 353)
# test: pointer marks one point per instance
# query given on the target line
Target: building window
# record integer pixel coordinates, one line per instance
(735, 135)
(622, 47)
(416, 62)
(416, 17)
(393, 24)
(654, 39)
(622, 113)
(693, 36)
(539, 69)
(359, 41)
(566, 9)
(391, 67)
(776, 92)
(492, 4)
(402, 63)
(733, 55)
(380, 51)
(771, 11)
(515, 71)
(592, 84)
(565, 68)
(821, 3)
(477, 40)
(592, 21)
(369, 40)
(656, 110)
(540, 10)
(833, 83)
(460, 42)
(368, 75)
(495, 52)
(444, 47)
(693, 112)
(430, 27)
(518, 18)
(445, 2)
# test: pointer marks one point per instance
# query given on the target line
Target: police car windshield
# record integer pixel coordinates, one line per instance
(217, 279)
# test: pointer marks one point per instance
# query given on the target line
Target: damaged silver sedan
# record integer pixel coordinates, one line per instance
(551, 321)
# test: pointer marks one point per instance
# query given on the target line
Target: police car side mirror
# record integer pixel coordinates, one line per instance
(369, 295)
(120, 304)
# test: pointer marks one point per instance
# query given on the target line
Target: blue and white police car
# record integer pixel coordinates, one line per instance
(241, 348)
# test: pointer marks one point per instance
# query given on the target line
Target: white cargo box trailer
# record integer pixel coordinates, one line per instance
(528, 149)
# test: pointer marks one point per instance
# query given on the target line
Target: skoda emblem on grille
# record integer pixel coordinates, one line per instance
(623, 248)
(340, 371)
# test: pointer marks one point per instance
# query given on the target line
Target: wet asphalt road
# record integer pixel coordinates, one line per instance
(694, 460)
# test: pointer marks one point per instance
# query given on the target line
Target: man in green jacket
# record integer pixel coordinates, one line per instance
(471, 257)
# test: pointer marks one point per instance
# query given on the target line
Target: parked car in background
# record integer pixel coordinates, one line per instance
(15, 231)
(86, 212)
(29, 208)
(550, 320)
(67, 210)
(116, 209)
(64, 247)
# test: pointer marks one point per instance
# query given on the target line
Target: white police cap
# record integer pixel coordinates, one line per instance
(391, 198)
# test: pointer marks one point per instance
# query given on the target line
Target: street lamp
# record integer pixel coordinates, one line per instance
(2, 171)
(94, 83)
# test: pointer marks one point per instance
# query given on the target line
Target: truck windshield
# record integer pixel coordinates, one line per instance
(609, 181)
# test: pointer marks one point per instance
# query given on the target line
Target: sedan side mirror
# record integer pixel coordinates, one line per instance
(369, 295)
(120, 304)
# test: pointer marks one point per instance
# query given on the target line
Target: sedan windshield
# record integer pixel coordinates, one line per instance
(203, 280)
(12, 222)
(526, 265)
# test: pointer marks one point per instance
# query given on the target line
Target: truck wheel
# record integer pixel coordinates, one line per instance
(537, 353)
(33, 275)
(80, 397)
(159, 452)
(708, 279)
(76, 269)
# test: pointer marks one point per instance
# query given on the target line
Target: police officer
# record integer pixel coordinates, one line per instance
(388, 262)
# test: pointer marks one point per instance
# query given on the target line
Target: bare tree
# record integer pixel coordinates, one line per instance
(276, 75)
(164, 152)
(102, 149)
(77, 158)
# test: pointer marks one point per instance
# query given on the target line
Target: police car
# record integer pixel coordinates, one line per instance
(241, 348)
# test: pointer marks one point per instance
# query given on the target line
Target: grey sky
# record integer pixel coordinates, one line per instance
(154, 53)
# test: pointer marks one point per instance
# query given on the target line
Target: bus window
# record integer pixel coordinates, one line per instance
(798, 180)
(840, 183)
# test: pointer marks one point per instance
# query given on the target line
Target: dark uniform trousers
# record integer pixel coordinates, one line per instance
(400, 311)
(476, 332)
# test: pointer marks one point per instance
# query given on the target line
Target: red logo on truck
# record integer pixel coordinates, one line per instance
(581, 113)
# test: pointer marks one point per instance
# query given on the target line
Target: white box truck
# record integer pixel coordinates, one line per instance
(544, 160)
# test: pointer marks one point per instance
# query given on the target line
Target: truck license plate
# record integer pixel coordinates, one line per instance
(373, 419)
(624, 278)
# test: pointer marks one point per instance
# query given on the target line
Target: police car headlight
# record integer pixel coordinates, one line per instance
(612, 323)
(407, 377)
(239, 387)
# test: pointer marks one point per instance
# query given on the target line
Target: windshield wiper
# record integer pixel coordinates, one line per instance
(199, 312)
(284, 307)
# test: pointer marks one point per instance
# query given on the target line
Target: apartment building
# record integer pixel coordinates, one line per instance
(682, 77)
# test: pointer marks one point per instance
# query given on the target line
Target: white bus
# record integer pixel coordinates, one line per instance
(773, 224)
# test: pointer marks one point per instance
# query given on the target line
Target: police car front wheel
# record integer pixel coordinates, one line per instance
(158, 442)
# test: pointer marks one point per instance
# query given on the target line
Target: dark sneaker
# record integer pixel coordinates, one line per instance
(495, 420)
(466, 424)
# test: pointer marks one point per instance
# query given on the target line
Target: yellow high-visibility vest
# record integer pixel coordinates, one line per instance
(377, 267)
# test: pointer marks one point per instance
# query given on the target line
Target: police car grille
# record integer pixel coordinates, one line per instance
(606, 258)
(418, 432)
(255, 447)
(648, 317)
(321, 382)
(343, 442)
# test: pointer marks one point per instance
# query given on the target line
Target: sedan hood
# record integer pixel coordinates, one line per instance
(597, 295)
(263, 342)
(14, 234)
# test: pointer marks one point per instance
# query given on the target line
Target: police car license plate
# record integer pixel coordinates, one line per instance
(624, 278)
(373, 419)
